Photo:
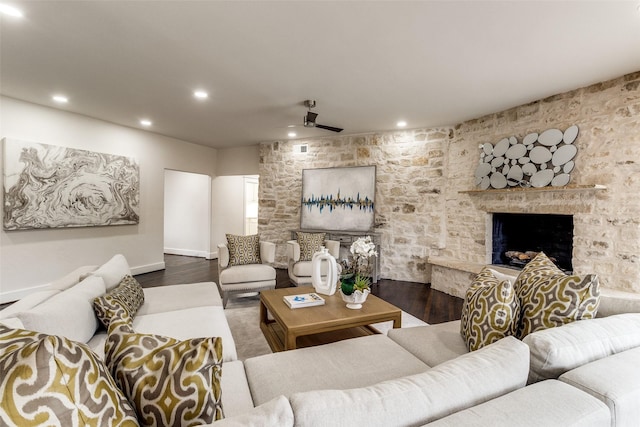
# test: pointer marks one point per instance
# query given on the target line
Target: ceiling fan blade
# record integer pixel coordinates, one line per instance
(331, 128)
(311, 117)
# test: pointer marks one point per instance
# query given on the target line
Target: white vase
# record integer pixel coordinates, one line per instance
(326, 285)
(355, 300)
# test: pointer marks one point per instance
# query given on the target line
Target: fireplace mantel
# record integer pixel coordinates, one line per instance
(594, 187)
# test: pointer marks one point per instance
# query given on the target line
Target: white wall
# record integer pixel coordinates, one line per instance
(238, 161)
(228, 207)
(187, 214)
(35, 257)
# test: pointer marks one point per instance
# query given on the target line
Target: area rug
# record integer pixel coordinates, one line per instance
(243, 315)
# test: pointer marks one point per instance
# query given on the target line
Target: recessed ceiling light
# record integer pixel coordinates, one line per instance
(60, 99)
(401, 124)
(200, 94)
(292, 134)
(146, 122)
(291, 126)
(5, 9)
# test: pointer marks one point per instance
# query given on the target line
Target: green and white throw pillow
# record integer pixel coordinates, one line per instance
(490, 311)
(128, 295)
(52, 381)
(549, 297)
(243, 249)
(170, 382)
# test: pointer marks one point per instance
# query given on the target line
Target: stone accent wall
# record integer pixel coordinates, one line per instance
(423, 208)
(410, 179)
(606, 222)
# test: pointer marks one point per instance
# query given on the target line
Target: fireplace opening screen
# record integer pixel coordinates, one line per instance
(516, 238)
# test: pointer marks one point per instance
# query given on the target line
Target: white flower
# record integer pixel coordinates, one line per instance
(363, 247)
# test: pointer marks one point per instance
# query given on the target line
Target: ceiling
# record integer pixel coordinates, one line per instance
(367, 64)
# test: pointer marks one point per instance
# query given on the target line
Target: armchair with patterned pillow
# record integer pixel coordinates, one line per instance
(300, 253)
(243, 265)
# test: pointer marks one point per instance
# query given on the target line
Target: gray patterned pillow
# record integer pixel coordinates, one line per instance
(56, 381)
(243, 249)
(170, 382)
(128, 295)
(310, 243)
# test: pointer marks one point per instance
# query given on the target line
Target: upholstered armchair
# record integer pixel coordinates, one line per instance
(242, 268)
(300, 270)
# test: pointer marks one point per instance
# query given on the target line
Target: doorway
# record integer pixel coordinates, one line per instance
(187, 214)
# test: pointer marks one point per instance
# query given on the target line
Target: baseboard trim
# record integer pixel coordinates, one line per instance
(187, 252)
(148, 268)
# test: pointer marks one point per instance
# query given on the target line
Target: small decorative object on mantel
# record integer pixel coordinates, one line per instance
(355, 278)
(538, 161)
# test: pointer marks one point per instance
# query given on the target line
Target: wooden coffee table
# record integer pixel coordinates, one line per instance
(330, 322)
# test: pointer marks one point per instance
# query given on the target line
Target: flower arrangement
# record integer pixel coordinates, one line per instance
(355, 274)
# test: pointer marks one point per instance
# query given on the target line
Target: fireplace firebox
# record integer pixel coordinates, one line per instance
(517, 237)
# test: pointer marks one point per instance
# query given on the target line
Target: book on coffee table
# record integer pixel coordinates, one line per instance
(303, 300)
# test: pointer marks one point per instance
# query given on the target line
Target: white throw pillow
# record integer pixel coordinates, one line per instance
(113, 271)
(28, 302)
(68, 313)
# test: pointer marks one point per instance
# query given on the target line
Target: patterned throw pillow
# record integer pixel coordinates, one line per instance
(549, 297)
(243, 249)
(170, 382)
(128, 295)
(49, 380)
(310, 243)
(490, 310)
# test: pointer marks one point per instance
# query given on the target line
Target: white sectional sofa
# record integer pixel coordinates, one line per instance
(581, 374)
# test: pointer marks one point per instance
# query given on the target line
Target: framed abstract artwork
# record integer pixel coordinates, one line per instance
(341, 199)
(49, 186)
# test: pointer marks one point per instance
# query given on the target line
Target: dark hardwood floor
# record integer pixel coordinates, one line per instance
(416, 299)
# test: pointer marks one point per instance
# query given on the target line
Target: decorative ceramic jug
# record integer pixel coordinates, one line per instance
(328, 285)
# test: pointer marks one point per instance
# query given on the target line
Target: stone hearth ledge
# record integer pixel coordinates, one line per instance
(453, 276)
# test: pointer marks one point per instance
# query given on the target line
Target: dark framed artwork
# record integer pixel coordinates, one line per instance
(49, 186)
(338, 198)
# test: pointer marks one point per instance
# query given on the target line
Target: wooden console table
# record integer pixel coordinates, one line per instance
(346, 238)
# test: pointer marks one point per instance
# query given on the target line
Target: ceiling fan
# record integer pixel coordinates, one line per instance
(310, 118)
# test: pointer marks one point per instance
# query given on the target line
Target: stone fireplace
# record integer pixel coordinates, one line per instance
(516, 237)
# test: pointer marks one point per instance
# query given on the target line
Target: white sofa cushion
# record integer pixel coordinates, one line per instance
(469, 380)
(433, 344)
(196, 322)
(236, 397)
(247, 273)
(160, 299)
(356, 362)
(555, 351)
(615, 380)
(113, 271)
(68, 313)
(546, 404)
(275, 413)
(617, 302)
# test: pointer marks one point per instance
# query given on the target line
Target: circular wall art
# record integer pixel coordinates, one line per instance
(546, 158)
